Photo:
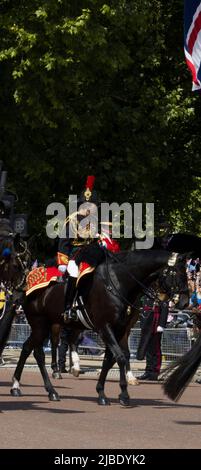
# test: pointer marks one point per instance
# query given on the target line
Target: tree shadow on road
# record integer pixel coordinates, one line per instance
(188, 423)
(35, 406)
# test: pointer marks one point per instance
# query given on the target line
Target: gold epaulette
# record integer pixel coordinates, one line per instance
(62, 259)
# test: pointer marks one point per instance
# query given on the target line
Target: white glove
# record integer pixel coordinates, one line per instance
(160, 329)
(62, 268)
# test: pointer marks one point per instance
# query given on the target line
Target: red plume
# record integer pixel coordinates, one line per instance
(90, 182)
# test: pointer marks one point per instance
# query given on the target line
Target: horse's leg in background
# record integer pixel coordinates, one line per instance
(73, 341)
(134, 315)
(75, 367)
(131, 379)
(27, 348)
(111, 342)
(55, 335)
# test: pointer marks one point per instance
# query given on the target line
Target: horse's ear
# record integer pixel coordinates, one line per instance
(185, 243)
(182, 257)
(173, 258)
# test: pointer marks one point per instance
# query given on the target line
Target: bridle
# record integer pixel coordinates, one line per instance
(171, 292)
(148, 291)
(174, 290)
(21, 259)
(23, 263)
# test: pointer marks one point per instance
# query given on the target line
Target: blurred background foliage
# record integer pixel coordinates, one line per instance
(99, 87)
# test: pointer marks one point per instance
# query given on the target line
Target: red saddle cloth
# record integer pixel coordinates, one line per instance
(41, 277)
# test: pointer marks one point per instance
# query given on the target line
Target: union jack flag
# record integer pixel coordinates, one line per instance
(192, 40)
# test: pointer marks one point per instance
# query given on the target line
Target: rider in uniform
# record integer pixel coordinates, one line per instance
(86, 247)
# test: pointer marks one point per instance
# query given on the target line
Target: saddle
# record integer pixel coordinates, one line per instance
(41, 277)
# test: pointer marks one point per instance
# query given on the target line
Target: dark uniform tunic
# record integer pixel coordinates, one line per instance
(153, 315)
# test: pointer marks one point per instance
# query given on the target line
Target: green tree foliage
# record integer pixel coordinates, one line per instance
(99, 87)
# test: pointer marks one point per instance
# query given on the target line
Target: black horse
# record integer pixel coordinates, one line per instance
(114, 286)
(14, 266)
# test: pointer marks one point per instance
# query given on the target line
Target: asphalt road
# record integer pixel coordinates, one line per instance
(77, 422)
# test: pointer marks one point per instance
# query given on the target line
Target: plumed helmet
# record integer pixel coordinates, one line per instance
(88, 194)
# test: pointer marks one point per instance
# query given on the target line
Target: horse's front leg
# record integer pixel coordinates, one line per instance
(116, 350)
(107, 364)
(40, 359)
(25, 353)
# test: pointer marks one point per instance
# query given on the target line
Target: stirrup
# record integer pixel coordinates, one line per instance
(70, 314)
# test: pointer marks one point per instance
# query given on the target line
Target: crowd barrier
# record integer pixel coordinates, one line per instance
(175, 342)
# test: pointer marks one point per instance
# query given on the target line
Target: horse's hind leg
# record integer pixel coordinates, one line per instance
(131, 379)
(40, 359)
(116, 350)
(108, 363)
(25, 353)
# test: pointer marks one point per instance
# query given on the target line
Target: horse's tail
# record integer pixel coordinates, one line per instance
(5, 326)
(183, 371)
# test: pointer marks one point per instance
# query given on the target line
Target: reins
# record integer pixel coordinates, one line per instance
(147, 291)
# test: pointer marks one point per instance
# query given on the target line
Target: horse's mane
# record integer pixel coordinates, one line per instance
(184, 243)
(127, 255)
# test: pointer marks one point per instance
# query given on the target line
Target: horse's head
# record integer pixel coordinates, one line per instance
(173, 281)
(14, 262)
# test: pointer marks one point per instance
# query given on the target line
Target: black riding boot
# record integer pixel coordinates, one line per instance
(70, 312)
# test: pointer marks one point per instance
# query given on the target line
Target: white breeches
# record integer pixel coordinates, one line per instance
(72, 268)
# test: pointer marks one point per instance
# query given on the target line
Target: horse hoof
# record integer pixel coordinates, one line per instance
(15, 392)
(54, 397)
(133, 381)
(56, 375)
(103, 401)
(75, 372)
(124, 401)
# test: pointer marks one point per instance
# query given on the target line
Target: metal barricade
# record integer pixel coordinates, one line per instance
(175, 342)
(18, 335)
